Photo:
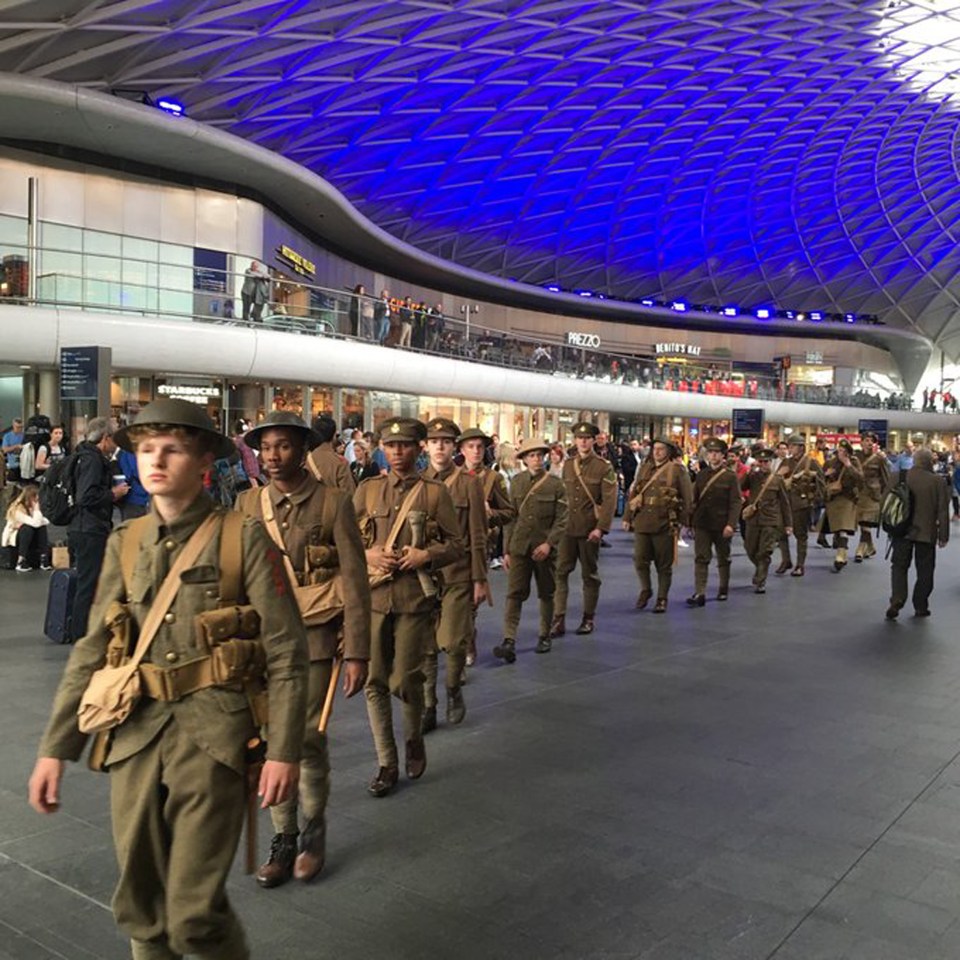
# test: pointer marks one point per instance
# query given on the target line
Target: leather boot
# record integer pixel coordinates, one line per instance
(278, 867)
(313, 850)
(506, 650)
(416, 759)
(785, 565)
(643, 599)
(559, 626)
(384, 781)
(797, 571)
(429, 721)
(586, 626)
(861, 550)
(697, 600)
(456, 708)
(661, 605)
(543, 645)
(840, 560)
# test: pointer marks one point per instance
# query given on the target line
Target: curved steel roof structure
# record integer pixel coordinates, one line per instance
(792, 153)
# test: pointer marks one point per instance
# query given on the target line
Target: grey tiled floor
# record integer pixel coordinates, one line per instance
(775, 777)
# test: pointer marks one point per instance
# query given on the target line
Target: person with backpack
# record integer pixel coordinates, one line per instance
(925, 526)
(94, 494)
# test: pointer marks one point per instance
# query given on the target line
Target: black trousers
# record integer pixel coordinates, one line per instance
(86, 555)
(924, 556)
(33, 545)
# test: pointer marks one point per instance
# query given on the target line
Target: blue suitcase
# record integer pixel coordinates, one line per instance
(58, 621)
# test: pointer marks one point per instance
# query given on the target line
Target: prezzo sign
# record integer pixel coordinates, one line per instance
(590, 340)
(678, 349)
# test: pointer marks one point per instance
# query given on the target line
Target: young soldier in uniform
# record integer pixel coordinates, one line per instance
(767, 516)
(463, 582)
(324, 462)
(178, 765)
(716, 513)
(591, 485)
(410, 530)
(473, 444)
(876, 479)
(658, 505)
(315, 527)
(803, 479)
(529, 543)
(844, 478)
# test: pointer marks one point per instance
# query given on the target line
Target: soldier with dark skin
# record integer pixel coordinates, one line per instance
(318, 533)
(402, 629)
(844, 479)
(463, 583)
(473, 445)
(591, 485)
(803, 478)
(324, 462)
(716, 512)
(658, 505)
(529, 545)
(876, 479)
(178, 763)
(767, 515)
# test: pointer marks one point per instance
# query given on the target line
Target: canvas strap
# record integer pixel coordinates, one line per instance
(533, 490)
(586, 489)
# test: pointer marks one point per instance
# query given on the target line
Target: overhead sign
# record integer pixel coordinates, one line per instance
(298, 261)
(880, 427)
(79, 373)
(747, 423)
(589, 340)
(195, 394)
(678, 349)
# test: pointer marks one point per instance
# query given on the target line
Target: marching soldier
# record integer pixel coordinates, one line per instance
(473, 445)
(324, 462)
(463, 583)
(180, 763)
(591, 484)
(767, 516)
(530, 541)
(844, 479)
(410, 531)
(658, 505)
(876, 479)
(803, 479)
(315, 528)
(716, 512)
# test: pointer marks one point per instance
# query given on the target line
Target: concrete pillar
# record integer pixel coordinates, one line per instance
(48, 394)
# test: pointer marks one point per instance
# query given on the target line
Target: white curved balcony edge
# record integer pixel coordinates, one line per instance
(152, 345)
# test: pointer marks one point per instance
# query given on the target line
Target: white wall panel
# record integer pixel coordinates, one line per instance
(142, 205)
(103, 204)
(249, 228)
(216, 220)
(63, 196)
(13, 186)
(178, 215)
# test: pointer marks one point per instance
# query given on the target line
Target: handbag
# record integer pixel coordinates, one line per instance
(113, 692)
(319, 603)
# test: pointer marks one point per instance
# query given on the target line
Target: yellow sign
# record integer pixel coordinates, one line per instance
(300, 263)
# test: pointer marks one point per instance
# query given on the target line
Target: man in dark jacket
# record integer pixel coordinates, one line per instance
(929, 528)
(94, 497)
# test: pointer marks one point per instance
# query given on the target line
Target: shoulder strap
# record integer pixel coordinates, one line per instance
(313, 468)
(130, 549)
(402, 515)
(171, 584)
(656, 474)
(270, 521)
(452, 479)
(586, 489)
(711, 482)
(764, 489)
(230, 560)
(536, 486)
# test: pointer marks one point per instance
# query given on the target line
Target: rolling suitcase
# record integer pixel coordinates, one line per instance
(63, 589)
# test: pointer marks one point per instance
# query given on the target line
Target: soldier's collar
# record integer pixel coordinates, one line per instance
(399, 481)
(303, 492)
(182, 528)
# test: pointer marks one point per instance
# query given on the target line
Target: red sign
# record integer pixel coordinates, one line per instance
(837, 437)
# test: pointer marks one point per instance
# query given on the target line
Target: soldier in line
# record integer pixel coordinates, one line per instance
(315, 528)
(324, 462)
(803, 478)
(178, 764)
(767, 516)
(876, 479)
(716, 512)
(410, 531)
(658, 505)
(473, 445)
(844, 479)
(463, 582)
(530, 540)
(591, 485)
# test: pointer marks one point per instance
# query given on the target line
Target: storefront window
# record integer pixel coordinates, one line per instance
(321, 401)
(289, 399)
(352, 409)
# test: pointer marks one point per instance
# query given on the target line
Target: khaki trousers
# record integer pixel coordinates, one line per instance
(760, 542)
(801, 530)
(655, 548)
(571, 550)
(454, 630)
(522, 568)
(177, 817)
(398, 644)
(315, 760)
(705, 542)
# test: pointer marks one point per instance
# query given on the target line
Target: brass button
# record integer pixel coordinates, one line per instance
(169, 617)
(285, 525)
(170, 544)
(172, 657)
(211, 593)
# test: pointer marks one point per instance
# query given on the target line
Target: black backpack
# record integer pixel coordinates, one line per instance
(896, 508)
(57, 491)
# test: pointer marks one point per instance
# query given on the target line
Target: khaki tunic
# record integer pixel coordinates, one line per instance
(596, 510)
(716, 506)
(876, 479)
(665, 504)
(467, 495)
(773, 508)
(499, 507)
(333, 469)
(842, 503)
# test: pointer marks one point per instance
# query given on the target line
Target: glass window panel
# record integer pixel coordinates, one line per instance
(175, 301)
(97, 242)
(101, 267)
(60, 253)
(101, 293)
(13, 234)
(136, 249)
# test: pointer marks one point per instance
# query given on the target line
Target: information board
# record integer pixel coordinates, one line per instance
(79, 373)
(880, 427)
(747, 423)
